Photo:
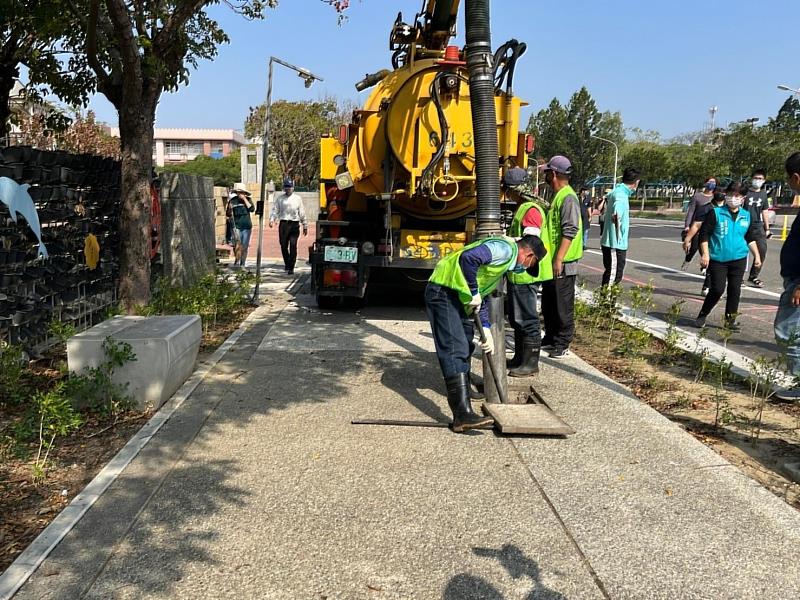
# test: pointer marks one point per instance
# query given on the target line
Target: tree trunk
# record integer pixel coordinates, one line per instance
(136, 140)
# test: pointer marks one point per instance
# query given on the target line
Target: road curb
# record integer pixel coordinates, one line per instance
(26, 563)
(741, 365)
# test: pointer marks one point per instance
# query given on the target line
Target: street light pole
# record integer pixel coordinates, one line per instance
(616, 153)
(309, 79)
(786, 88)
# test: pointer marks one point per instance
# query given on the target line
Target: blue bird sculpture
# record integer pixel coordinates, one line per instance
(19, 202)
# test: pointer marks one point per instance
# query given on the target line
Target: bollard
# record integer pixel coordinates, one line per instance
(785, 226)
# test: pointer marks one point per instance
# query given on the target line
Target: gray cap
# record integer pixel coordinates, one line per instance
(515, 176)
(558, 164)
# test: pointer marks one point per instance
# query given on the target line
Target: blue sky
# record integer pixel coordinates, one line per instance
(661, 63)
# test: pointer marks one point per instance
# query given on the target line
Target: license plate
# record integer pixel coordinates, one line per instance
(343, 254)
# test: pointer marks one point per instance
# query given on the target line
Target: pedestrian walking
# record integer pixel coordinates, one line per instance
(586, 213)
(758, 202)
(692, 239)
(523, 315)
(240, 207)
(725, 236)
(565, 231)
(787, 319)
(699, 199)
(288, 211)
(456, 289)
(617, 224)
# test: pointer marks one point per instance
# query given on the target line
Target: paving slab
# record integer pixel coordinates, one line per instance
(259, 487)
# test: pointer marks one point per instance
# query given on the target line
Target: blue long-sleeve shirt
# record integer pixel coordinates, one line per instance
(492, 252)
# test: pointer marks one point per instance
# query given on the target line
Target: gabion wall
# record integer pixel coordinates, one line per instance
(73, 197)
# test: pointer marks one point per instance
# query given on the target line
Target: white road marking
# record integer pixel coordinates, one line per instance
(679, 272)
(662, 240)
(661, 226)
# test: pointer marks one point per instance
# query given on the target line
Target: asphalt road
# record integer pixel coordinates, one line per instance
(655, 256)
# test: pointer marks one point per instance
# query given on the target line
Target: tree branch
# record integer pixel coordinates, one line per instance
(91, 44)
(182, 13)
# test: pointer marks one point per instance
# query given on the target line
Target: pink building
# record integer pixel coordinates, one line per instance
(175, 145)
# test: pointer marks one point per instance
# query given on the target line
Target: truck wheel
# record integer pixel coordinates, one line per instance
(327, 302)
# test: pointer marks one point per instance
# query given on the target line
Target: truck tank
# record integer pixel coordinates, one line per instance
(397, 184)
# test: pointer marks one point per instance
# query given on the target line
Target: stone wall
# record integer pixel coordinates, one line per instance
(187, 227)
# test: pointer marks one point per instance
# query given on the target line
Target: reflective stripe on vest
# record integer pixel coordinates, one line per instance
(448, 272)
(554, 224)
(546, 264)
(727, 243)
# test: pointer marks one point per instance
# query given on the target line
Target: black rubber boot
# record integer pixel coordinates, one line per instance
(458, 399)
(518, 342)
(476, 387)
(530, 360)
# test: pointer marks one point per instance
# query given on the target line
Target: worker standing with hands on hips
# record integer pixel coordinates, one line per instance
(456, 289)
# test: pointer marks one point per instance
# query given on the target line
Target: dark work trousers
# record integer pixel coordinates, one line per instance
(452, 330)
(288, 232)
(522, 313)
(761, 243)
(720, 273)
(558, 310)
(621, 255)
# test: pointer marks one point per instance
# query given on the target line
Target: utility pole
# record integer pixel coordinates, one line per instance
(713, 112)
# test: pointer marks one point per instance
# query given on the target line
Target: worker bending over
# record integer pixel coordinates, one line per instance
(456, 289)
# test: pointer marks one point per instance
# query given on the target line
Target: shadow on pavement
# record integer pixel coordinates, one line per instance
(472, 587)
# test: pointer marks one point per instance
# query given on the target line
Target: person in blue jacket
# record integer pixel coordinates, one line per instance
(725, 236)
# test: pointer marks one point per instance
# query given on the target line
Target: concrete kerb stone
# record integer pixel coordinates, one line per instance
(26, 563)
(741, 365)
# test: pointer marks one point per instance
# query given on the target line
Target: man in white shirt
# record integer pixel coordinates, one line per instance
(287, 209)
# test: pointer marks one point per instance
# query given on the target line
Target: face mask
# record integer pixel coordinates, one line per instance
(711, 186)
(518, 269)
(548, 178)
(756, 183)
(733, 201)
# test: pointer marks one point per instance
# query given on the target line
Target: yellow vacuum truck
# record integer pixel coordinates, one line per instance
(398, 184)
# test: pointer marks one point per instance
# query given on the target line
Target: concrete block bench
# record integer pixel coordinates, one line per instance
(166, 350)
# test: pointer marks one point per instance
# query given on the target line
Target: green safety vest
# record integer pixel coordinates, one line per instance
(575, 251)
(448, 272)
(546, 264)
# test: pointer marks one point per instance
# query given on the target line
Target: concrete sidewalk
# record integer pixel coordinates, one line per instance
(259, 487)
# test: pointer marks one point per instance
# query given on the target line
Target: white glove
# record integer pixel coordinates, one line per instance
(488, 345)
(476, 302)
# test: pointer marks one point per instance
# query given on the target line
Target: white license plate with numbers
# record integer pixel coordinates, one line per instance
(343, 254)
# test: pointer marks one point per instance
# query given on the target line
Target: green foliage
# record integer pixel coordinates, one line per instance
(224, 171)
(673, 336)
(722, 410)
(33, 34)
(60, 330)
(215, 297)
(295, 130)
(12, 370)
(728, 153)
(94, 390)
(605, 300)
(764, 376)
(635, 339)
(568, 129)
(57, 417)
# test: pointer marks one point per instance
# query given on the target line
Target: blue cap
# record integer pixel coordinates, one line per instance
(288, 183)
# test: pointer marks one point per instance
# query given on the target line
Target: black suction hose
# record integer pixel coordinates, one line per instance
(484, 116)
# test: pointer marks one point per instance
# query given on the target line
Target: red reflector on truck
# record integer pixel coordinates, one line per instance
(339, 278)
